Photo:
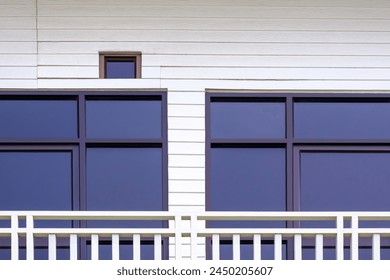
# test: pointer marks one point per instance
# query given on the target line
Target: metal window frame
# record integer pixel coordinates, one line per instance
(135, 57)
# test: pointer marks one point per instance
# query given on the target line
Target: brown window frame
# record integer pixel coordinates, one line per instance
(120, 56)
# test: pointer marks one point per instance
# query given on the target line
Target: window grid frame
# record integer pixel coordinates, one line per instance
(135, 57)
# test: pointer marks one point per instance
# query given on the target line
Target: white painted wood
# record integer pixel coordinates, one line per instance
(340, 238)
(27, 23)
(186, 198)
(213, 12)
(298, 247)
(68, 72)
(236, 247)
(178, 238)
(157, 247)
(94, 247)
(355, 238)
(189, 98)
(115, 247)
(18, 60)
(99, 84)
(29, 238)
(274, 73)
(69, 60)
(186, 173)
(194, 237)
(18, 84)
(18, 47)
(73, 246)
(17, 35)
(186, 110)
(18, 72)
(376, 247)
(52, 246)
(278, 247)
(319, 247)
(214, 48)
(215, 249)
(104, 23)
(14, 238)
(265, 3)
(183, 186)
(17, 10)
(187, 160)
(186, 123)
(136, 246)
(257, 247)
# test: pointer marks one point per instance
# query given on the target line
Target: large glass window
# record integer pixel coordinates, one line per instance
(298, 152)
(83, 151)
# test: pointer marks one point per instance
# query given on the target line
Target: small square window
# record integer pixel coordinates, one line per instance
(120, 65)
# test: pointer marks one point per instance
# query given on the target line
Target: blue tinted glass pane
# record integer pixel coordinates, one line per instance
(38, 119)
(124, 119)
(247, 120)
(35, 180)
(125, 251)
(247, 179)
(246, 251)
(124, 179)
(341, 120)
(345, 181)
(120, 69)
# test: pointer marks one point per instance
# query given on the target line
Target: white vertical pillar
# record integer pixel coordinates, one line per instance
(94, 247)
(178, 231)
(257, 247)
(29, 238)
(14, 238)
(115, 246)
(215, 249)
(157, 246)
(194, 237)
(319, 247)
(52, 247)
(73, 246)
(297, 247)
(236, 247)
(278, 247)
(340, 238)
(355, 238)
(376, 247)
(136, 246)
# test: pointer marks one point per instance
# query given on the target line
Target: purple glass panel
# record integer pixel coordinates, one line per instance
(120, 69)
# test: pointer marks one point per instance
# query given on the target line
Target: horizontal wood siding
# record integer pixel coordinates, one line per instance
(18, 44)
(190, 46)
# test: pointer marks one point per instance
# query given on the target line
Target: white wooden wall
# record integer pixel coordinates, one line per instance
(190, 46)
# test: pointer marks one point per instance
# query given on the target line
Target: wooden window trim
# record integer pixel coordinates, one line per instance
(120, 56)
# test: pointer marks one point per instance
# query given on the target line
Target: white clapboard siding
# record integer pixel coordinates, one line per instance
(196, 199)
(180, 148)
(217, 48)
(222, 36)
(19, 10)
(237, 60)
(18, 72)
(275, 73)
(186, 160)
(18, 60)
(69, 59)
(107, 23)
(27, 23)
(186, 135)
(99, 83)
(191, 186)
(186, 110)
(18, 84)
(185, 173)
(250, 3)
(17, 35)
(190, 98)
(184, 123)
(18, 47)
(221, 11)
(313, 85)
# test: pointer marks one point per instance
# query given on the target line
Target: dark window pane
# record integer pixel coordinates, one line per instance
(332, 120)
(246, 251)
(247, 120)
(125, 250)
(120, 69)
(124, 119)
(124, 179)
(247, 179)
(35, 180)
(38, 119)
(345, 181)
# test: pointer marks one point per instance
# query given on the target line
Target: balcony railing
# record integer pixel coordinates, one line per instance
(299, 230)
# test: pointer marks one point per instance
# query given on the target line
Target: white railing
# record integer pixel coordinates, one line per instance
(343, 230)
